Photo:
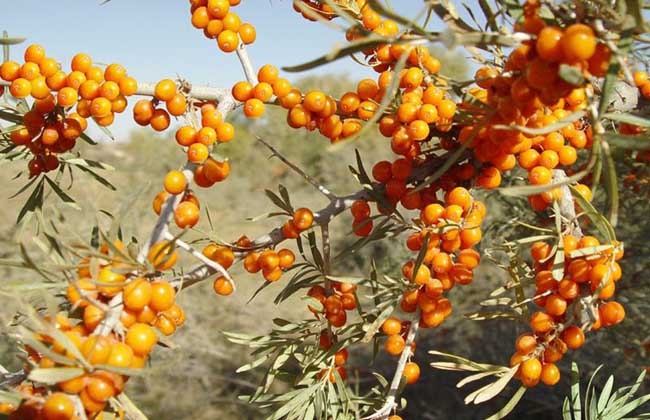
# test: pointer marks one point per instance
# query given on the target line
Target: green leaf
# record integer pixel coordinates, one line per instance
(633, 119)
(628, 142)
(98, 178)
(510, 405)
(62, 195)
(11, 41)
(52, 376)
(569, 119)
(12, 398)
(601, 223)
(605, 394)
(34, 202)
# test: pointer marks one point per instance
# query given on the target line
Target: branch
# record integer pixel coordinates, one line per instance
(320, 187)
(198, 255)
(390, 404)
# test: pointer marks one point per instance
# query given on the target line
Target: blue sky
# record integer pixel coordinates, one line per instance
(154, 39)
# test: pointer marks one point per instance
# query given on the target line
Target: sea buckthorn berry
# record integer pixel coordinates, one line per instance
(550, 374)
(611, 313)
(247, 33)
(411, 372)
(640, 78)
(160, 120)
(206, 136)
(549, 45)
(175, 182)
(137, 294)
(574, 337)
(142, 111)
(141, 338)
(242, 91)
(216, 171)
(114, 73)
(165, 90)
(254, 108)
(392, 326)
(303, 218)
(362, 228)
(360, 210)
(287, 258)
(20, 88)
(541, 322)
(186, 214)
(222, 286)
(540, 175)
(228, 41)
(128, 86)
(395, 345)
(58, 406)
(382, 171)
(578, 42)
(530, 372)
(186, 135)
(218, 9)
(525, 344)
(177, 105)
(268, 73)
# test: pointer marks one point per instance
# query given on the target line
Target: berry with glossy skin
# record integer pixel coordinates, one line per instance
(411, 372)
(175, 182)
(395, 345)
(222, 286)
(58, 407)
(141, 338)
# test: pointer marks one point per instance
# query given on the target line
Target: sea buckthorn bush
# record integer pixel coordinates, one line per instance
(512, 169)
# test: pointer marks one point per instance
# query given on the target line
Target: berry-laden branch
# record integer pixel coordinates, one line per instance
(390, 404)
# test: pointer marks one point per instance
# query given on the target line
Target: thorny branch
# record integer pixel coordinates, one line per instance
(390, 404)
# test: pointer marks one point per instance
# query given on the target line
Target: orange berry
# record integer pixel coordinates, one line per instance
(58, 406)
(165, 90)
(247, 33)
(411, 372)
(530, 372)
(395, 345)
(175, 182)
(228, 41)
(141, 338)
(574, 337)
(222, 286)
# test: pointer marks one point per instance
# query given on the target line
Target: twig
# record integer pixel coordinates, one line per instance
(246, 64)
(111, 318)
(198, 255)
(390, 404)
(327, 193)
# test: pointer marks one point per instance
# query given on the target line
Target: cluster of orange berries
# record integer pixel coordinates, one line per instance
(186, 214)
(145, 112)
(566, 302)
(51, 127)
(219, 22)
(147, 304)
(449, 258)
(254, 97)
(531, 94)
(396, 332)
(335, 305)
(271, 263)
